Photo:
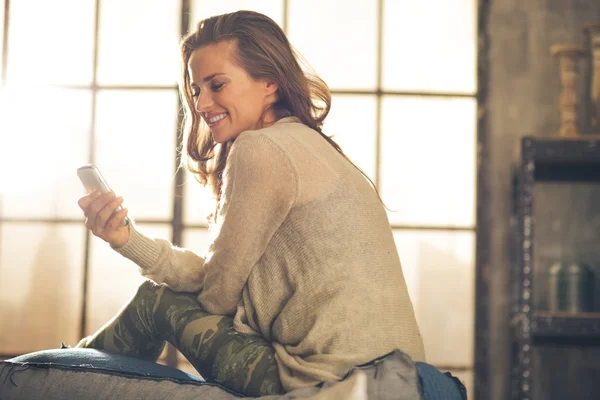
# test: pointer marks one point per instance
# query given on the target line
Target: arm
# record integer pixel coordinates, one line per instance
(159, 260)
(260, 187)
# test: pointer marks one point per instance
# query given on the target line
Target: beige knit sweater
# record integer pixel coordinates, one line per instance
(303, 255)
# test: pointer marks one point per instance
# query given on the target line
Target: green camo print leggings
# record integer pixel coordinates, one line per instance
(156, 314)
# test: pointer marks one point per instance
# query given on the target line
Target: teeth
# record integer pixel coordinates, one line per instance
(217, 118)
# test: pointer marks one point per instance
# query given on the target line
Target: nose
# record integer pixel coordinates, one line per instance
(204, 101)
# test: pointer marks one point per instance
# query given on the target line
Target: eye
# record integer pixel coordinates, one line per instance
(195, 91)
(216, 86)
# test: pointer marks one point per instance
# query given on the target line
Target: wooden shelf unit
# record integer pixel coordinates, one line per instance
(553, 160)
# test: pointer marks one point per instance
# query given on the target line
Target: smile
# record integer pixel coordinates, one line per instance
(216, 119)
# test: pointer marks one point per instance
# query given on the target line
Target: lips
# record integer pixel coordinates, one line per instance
(215, 118)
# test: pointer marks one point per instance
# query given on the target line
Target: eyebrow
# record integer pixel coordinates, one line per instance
(208, 78)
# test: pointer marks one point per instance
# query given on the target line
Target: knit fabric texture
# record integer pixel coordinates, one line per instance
(303, 254)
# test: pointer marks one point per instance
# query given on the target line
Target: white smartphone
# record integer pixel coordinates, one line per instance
(92, 180)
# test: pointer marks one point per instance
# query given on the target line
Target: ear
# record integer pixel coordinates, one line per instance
(271, 87)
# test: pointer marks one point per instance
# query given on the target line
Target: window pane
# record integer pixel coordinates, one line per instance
(199, 201)
(43, 154)
(139, 42)
(1, 37)
(201, 9)
(429, 45)
(351, 122)
(135, 148)
(197, 240)
(339, 41)
(428, 160)
(113, 279)
(41, 272)
(64, 33)
(439, 271)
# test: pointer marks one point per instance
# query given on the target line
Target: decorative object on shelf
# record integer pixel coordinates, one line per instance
(568, 56)
(593, 32)
(571, 288)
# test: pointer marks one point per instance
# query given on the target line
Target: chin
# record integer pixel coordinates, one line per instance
(218, 139)
(223, 137)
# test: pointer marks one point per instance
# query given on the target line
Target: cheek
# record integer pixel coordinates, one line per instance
(256, 101)
(245, 106)
(248, 105)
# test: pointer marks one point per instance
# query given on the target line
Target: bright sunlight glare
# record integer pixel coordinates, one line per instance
(39, 130)
(13, 115)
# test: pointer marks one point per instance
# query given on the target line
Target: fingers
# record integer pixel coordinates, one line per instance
(89, 204)
(116, 220)
(98, 209)
(104, 215)
(85, 201)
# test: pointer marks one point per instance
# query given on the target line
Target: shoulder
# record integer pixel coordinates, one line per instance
(264, 154)
(283, 126)
(256, 160)
(275, 143)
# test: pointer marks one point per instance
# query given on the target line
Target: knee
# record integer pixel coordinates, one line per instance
(148, 288)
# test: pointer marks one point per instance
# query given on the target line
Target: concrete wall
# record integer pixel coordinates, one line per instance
(522, 90)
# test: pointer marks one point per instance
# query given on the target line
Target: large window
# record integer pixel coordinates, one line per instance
(94, 81)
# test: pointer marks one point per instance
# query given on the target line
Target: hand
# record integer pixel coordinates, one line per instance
(101, 219)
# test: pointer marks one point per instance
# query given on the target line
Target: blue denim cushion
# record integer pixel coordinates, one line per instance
(439, 386)
(93, 359)
(435, 385)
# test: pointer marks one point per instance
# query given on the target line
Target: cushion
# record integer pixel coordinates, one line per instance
(436, 385)
(94, 374)
(104, 361)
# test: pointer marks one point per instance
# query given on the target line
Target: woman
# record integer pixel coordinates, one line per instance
(303, 280)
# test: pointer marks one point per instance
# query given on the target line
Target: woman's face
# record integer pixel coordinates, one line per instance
(228, 99)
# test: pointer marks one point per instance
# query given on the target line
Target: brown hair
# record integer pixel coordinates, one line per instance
(264, 52)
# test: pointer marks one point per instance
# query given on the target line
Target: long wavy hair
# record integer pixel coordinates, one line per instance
(264, 52)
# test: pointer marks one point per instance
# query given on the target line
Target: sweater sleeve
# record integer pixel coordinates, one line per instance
(260, 186)
(159, 260)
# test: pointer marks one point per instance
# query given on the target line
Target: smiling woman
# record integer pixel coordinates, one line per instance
(268, 309)
(122, 114)
(229, 100)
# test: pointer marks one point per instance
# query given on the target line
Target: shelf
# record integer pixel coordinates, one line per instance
(563, 159)
(546, 324)
(557, 150)
(567, 325)
(567, 172)
(564, 324)
(543, 341)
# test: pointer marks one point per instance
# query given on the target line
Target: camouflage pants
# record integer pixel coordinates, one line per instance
(156, 314)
